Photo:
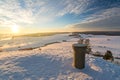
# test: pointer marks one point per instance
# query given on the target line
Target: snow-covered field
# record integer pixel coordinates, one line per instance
(30, 42)
(102, 43)
(54, 61)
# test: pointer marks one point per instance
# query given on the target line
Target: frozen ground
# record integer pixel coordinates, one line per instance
(54, 62)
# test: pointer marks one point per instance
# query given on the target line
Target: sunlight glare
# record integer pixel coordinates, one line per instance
(15, 28)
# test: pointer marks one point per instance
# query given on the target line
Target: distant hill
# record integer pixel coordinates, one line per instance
(112, 33)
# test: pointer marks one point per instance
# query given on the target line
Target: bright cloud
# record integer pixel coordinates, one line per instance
(29, 11)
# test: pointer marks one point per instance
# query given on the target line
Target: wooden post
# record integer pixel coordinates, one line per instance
(79, 55)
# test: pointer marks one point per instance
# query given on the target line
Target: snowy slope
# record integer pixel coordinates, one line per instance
(53, 62)
(30, 42)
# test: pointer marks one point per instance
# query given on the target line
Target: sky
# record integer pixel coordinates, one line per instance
(59, 15)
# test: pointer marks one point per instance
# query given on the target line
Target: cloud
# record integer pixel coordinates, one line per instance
(102, 14)
(38, 11)
(104, 19)
(74, 6)
(11, 13)
(94, 14)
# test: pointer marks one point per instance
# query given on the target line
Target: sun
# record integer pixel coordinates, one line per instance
(15, 28)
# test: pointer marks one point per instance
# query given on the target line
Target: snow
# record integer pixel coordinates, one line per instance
(102, 43)
(54, 62)
(30, 42)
